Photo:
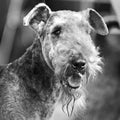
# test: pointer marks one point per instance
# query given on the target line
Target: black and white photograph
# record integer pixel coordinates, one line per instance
(60, 60)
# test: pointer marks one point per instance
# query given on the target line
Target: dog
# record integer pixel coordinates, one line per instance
(53, 72)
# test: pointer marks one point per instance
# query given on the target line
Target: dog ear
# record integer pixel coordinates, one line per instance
(96, 21)
(37, 17)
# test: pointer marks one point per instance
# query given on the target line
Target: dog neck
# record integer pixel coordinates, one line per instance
(38, 81)
(33, 69)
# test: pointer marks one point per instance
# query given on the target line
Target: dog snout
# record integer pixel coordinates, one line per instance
(80, 66)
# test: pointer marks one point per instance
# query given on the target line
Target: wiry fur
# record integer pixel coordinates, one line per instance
(74, 42)
(33, 86)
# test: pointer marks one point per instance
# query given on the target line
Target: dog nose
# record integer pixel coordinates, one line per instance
(80, 66)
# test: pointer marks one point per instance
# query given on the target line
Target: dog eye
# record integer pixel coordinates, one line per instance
(57, 30)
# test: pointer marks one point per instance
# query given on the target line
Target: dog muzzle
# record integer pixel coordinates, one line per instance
(74, 74)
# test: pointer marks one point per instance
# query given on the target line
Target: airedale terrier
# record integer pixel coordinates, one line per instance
(55, 69)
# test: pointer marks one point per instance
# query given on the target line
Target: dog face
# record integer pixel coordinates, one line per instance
(66, 44)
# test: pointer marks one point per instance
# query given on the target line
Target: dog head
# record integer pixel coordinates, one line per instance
(67, 45)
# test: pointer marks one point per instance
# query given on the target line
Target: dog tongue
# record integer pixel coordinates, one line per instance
(74, 80)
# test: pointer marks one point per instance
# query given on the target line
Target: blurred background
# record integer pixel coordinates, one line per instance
(103, 94)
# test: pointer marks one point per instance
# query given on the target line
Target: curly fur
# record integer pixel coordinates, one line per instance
(35, 85)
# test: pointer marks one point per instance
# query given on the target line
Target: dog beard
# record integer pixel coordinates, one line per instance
(69, 95)
(68, 102)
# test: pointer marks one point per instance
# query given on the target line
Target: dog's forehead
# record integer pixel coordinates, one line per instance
(66, 17)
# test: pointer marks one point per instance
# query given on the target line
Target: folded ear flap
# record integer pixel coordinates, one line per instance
(37, 17)
(96, 21)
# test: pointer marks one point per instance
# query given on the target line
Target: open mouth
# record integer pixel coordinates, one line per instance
(74, 73)
(74, 81)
